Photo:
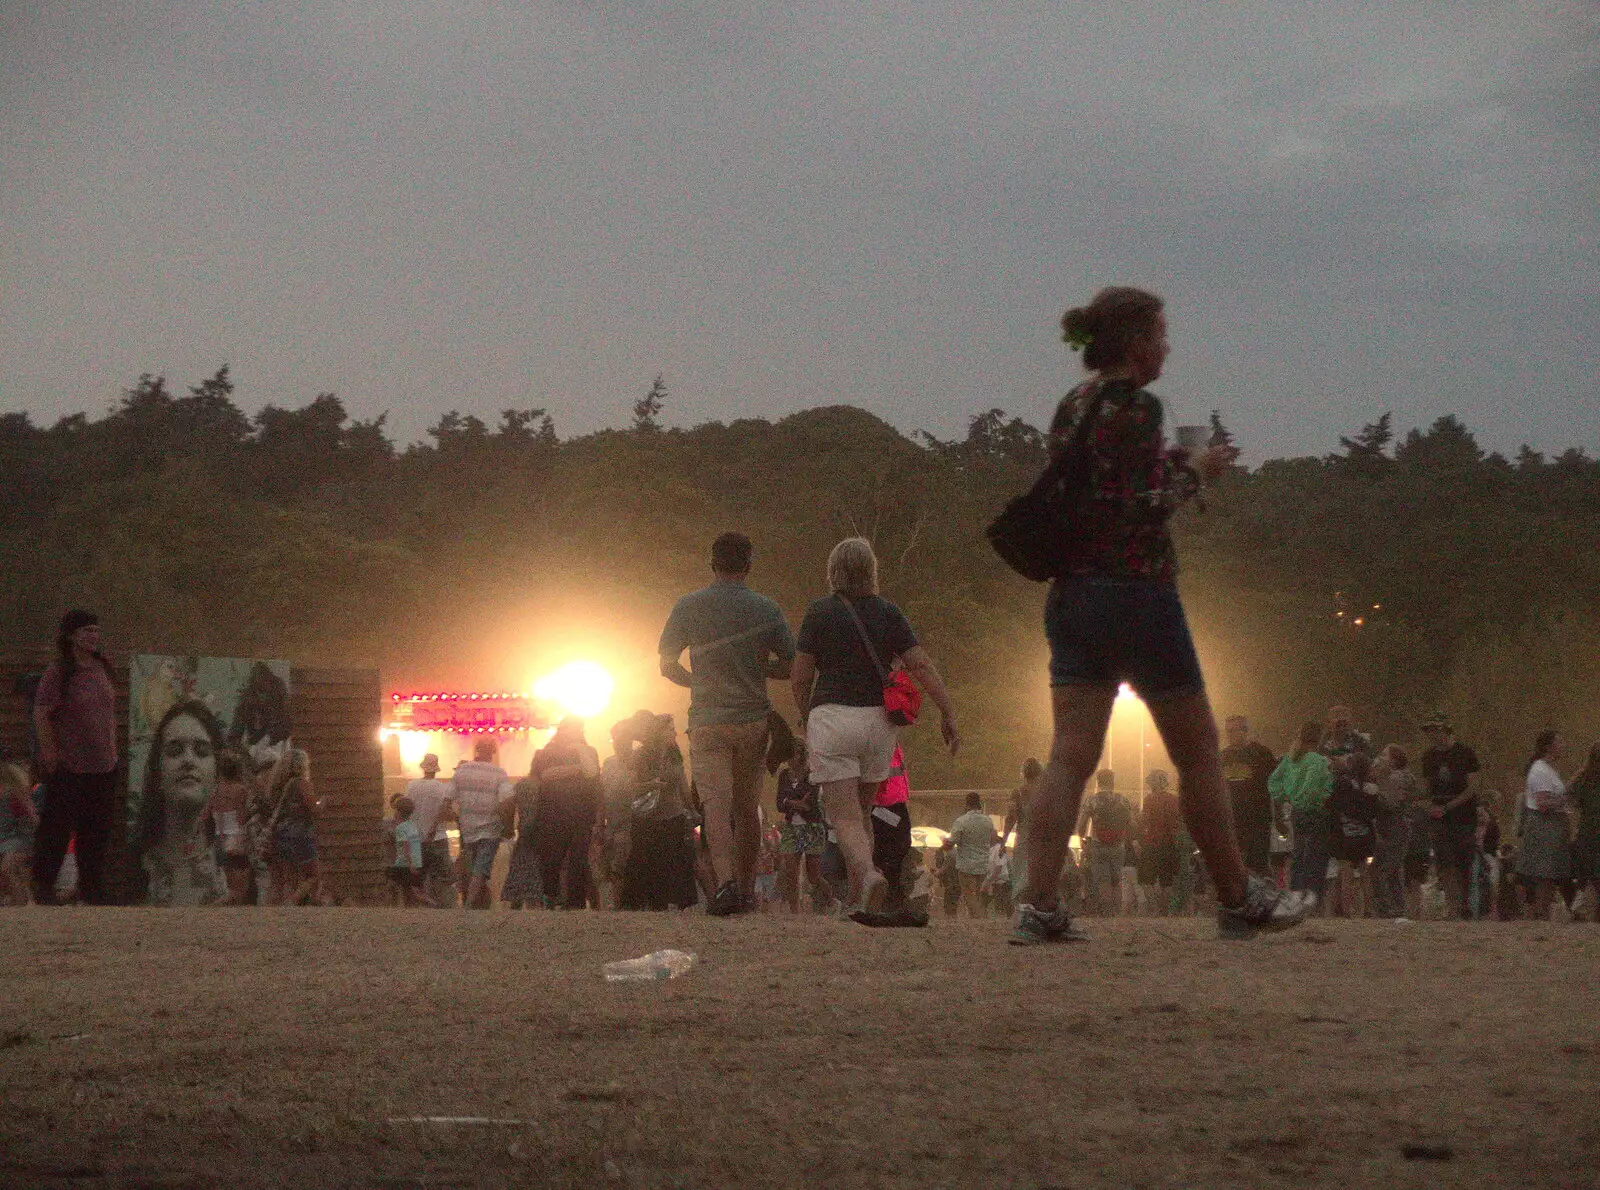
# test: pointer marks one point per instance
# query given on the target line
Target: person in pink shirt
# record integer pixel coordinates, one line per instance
(891, 843)
(75, 717)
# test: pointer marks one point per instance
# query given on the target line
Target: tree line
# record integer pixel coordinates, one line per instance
(1398, 573)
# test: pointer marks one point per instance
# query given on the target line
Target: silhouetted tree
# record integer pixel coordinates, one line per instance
(1370, 447)
(1220, 434)
(647, 409)
(991, 437)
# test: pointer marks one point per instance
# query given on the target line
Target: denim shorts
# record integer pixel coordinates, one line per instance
(295, 842)
(1104, 631)
(482, 853)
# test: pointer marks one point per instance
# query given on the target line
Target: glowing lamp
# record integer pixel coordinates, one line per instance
(579, 688)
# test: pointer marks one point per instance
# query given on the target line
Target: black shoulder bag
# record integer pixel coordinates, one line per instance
(1039, 533)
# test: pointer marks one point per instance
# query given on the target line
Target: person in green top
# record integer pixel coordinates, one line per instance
(738, 641)
(1302, 782)
(1584, 793)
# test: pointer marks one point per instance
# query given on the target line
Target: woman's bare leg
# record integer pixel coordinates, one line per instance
(821, 894)
(1544, 895)
(789, 881)
(282, 884)
(1189, 731)
(1081, 714)
(842, 803)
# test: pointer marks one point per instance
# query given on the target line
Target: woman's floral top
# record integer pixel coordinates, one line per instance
(1136, 484)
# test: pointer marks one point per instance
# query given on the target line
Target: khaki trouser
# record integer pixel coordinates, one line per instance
(725, 761)
(972, 894)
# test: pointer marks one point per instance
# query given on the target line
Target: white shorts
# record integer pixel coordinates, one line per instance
(845, 742)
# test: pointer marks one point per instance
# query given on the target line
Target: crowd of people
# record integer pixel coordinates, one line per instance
(628, 833)
(651, 829)
(1355, 830)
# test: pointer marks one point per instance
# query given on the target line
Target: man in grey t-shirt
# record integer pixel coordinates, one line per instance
(738, 641)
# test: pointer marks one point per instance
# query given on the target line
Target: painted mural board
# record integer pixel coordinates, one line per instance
(183, 711)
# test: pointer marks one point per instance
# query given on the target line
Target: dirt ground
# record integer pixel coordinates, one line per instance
(220, 1047)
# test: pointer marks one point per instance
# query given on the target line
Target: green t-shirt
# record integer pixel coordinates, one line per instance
(1305, 783)
(974, 834)
(732, 634)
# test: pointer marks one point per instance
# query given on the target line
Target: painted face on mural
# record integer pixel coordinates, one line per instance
(188, 762)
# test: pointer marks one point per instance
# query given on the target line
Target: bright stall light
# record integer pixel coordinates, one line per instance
(414, 745)
(579, 688)
(1125, 693)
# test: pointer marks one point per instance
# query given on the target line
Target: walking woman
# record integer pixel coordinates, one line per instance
(75, 717)
(1584, 794)
(1397, 791)
(1017, 821)
(1544, 858)
(1304, 782)
(296, 870)
(848, 643)
(566, 773)
(1113, 615)
(523, 885)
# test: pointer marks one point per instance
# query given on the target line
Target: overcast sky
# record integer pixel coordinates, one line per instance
(1350, 207)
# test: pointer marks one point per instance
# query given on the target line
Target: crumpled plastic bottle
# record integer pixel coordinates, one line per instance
(658, 964)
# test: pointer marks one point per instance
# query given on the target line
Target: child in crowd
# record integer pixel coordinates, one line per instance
(766, 890)
(997, 882)
(405, 867)
(18, 821)
(228, 813)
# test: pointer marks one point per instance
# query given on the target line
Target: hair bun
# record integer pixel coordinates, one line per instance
(1104, 329)
(1075, 324)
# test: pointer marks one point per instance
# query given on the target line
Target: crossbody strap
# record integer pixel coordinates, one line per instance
(861, 630)
(1080, 432)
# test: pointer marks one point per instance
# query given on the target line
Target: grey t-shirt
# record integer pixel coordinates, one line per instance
(480, 788)
(731, 633)
(428, 796)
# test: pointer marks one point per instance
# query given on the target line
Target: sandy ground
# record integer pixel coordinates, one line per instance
(199, 1048)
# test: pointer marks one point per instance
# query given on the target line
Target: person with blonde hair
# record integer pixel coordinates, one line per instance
(296, 872)
(849, 642)
(1113, 615)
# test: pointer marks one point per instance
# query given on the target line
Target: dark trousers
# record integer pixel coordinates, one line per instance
(80, 806)
(660, 869)
(1308, 870)
(561, 837)
(1389, 865)
(891, 843)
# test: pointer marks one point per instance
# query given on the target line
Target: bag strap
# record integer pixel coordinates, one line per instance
(1080, 433)
(283, 796)
(861, 631)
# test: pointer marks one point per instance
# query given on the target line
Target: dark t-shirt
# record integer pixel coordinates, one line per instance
(845, 673)
(1246, 769)
(299, 802)
(1353, 807)
(564, 793)
(84, 716)
(1161, 814)
(1446, 772)
(798, 797)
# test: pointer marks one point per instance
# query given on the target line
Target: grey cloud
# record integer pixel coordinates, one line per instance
(1349, 205)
